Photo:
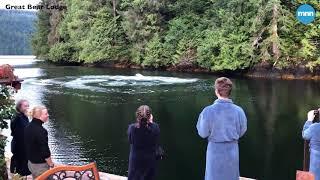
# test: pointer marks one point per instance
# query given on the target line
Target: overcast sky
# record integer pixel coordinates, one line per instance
(3, 3)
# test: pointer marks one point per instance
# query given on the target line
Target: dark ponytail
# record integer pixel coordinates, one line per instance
(143, 122)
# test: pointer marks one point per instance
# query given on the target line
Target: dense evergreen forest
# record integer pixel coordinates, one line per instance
(216, 35)
(16, 30)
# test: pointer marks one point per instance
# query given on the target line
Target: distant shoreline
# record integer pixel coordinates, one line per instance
(17, 56)
(260, 71)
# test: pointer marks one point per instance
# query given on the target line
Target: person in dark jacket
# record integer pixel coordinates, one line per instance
(143, 138)
(19, 162)
(36, 143)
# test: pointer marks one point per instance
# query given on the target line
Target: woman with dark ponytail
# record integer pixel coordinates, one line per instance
(143, 137)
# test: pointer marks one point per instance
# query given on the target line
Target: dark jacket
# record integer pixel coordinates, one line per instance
(36, 142)
(19, 162)
(143, 144)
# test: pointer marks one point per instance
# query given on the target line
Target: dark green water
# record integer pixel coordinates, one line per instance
(91, 109)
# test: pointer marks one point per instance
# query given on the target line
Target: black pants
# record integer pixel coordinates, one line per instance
(142, 169)
(142, 174)
(19, 164)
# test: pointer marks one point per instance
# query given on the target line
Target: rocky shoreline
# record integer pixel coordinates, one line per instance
(262, 70)
(301, 71)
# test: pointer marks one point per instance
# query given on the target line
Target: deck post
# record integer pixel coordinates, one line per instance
(306, 156)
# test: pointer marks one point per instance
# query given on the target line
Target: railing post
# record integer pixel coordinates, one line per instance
(306, 156)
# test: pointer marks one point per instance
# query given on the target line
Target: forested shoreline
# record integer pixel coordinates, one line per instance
(16, 31)
(204, 35)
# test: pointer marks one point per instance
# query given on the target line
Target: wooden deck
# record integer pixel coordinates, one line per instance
(15, 83)
(6, 81)
(106, 176)
(103, 175)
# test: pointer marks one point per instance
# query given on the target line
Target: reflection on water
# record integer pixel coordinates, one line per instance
(28, 72)
(90, 110)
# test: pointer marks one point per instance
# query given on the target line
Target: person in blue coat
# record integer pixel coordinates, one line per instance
(311, 131)
(143, 137)
(222, 123)
(19, 162)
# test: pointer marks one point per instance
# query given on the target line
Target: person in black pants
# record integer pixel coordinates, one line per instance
(19, 162)
(36, 143)
(143, 138)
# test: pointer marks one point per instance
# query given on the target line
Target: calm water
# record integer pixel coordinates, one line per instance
(91, 109)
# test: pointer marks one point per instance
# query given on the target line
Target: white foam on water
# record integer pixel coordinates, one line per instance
(80, 83)
(100, 82)
(140, 77)
(107, 83)
(42, 82)
(114, 83)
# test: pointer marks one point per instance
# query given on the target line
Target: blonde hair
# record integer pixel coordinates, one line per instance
(37, 111)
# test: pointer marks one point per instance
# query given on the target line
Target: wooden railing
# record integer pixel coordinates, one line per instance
(306, 156)
(86, 172)
(305, 174)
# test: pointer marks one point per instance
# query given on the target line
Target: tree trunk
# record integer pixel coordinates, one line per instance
(114, 8)
(275, 37)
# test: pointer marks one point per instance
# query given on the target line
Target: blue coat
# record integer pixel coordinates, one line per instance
(222, 123)
(312, 132)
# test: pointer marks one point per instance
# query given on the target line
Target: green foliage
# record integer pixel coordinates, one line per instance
(15, 32)
(74, 29)
(183, 36)
(215, 34)
(220, 51)
(61, 52)
(3, 167)
(156, 54)
(105, 39)
(308, 38)
(6, 113)
(40, 46)
(313, 64)
(6, 106)
(2, 148)
(141, 20)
